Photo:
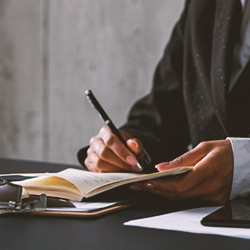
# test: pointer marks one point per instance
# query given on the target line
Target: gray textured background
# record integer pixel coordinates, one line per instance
(51, 51)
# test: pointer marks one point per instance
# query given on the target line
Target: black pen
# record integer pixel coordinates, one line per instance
(95, 104)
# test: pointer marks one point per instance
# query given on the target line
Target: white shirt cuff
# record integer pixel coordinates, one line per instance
(241, 175)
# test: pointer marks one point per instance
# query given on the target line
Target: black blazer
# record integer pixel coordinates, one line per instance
(189, 101)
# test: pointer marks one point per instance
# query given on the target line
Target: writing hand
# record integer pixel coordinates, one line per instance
(210, 179)
(107, 153)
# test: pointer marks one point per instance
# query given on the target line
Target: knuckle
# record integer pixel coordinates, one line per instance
(98, 163)
(86, 162)
(180, 160)
(110, 140)
(89, 151)
(103, 130)
(204, 145)
(92, 140)
(103, 152)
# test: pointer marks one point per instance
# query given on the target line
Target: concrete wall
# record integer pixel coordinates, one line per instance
(51, 51)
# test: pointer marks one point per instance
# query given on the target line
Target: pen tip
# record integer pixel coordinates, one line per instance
(139, 166)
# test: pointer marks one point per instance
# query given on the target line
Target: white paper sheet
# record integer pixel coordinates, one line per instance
(83, 206)
(189, 221)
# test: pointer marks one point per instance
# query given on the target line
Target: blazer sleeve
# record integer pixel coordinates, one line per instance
(159, 120)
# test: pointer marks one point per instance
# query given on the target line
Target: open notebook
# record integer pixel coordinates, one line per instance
(75, 184)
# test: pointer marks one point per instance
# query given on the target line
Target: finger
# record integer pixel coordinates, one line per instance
(193, 193)
(176, 196)
(136, 147)
(112, 142)
(188, 159)
(183, 183)
(106, 154)
(125, 135)
(95, 164)
(201, 173)
(201, 181)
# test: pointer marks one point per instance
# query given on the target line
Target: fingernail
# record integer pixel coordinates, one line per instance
(131, 160)
(164, 164)
(136, 168)
(136, 188)
(135, 143)
(149, 185)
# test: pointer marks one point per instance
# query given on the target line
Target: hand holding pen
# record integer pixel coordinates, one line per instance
(112, 150)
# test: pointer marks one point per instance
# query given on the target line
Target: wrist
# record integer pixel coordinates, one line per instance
(241, 172)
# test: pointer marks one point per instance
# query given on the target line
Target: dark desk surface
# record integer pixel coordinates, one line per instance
(106, 232)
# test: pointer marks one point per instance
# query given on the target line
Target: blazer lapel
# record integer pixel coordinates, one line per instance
(226, 21)
(242, 47)
(238, 68)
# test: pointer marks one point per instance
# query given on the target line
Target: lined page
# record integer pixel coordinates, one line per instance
(86, 181)
(141, 177)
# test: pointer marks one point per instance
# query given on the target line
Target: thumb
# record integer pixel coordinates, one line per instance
(136, 147)
(187, 159)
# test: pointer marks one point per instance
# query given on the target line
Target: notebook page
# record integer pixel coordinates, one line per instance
(45, 181)
(141, 177)
(86, 181)
(51, 186)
